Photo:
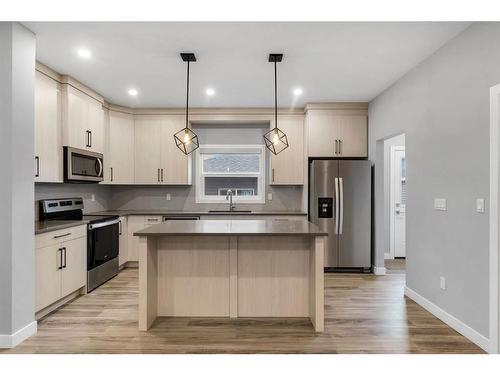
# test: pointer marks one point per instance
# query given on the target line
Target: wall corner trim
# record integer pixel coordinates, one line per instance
(447, 318)
(10, 341)
(379, 271)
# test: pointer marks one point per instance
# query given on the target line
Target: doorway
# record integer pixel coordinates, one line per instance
(398, 203)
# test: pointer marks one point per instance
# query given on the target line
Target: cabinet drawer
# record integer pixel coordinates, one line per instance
(58, 236)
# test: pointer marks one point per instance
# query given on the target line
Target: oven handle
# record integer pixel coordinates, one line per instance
(104, 224)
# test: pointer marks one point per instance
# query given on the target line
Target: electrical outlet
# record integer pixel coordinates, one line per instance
(92, 197)
(440, 204)
(442, 282)
(269, 196)
(480, 205)
(168, 197)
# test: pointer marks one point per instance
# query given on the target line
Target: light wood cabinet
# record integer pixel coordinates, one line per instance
(48, 146)
(74, 270)
(286, 168)
(83, 120)
(334, 133)
(60, 264)
(136, 223)
(147, 150)
(157, 160)
(119, 160)
(123, 241)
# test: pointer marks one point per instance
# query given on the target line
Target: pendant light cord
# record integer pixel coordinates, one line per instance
(275, 95)
(187, 97)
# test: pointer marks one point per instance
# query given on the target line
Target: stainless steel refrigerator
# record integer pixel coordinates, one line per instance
(340, 203)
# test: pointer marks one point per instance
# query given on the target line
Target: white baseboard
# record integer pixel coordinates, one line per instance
(388, 256)
(9, 341)
(456, 324)
(379, 271)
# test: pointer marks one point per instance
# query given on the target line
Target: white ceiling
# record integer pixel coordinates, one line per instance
(334, 61)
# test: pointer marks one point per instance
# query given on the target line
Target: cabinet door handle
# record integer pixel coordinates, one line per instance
(336, 148)
(158, 177)
(60, 259)
(162, 175)
(90, 139)
(154, 220)
(64, 249)
(63, 235)
(120, 228)
(340, 147)
(111, 174)
(272, 175)
(87, 133)
(37, 162)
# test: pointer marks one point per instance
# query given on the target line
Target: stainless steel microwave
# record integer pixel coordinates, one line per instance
(82, 165)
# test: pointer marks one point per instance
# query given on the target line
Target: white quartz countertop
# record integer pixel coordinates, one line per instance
(274, 227)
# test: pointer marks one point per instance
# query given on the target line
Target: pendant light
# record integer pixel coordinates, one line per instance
(185, 139)
(276, 140)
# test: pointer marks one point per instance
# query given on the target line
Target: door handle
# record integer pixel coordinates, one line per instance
(60, 259)
(340, 147)
(158, 177)
(63, 235)
(64, 249)
(272, 173)
(336, 148)
(90, 138)
(336, 205)
(341, 224)
(162, 175)
(120, 228)
(111, 174)
(37, 164)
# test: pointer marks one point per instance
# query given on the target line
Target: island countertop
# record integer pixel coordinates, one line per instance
(274, 227)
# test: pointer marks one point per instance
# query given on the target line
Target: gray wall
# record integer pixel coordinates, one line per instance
(17, 271)
(442, 106)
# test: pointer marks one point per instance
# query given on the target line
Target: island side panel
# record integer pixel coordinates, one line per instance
(148, 297)
(317, 283)
(273, 276)
(193, 276)
(233, 277)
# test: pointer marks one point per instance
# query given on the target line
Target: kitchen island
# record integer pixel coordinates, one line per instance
(232, 268)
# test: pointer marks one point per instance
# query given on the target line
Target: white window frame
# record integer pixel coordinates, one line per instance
(233, 149)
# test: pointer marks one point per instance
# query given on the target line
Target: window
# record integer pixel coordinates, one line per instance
(220, 168)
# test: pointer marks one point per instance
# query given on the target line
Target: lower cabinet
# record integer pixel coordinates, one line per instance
(123, 244)
(136, 223)
(61, 266)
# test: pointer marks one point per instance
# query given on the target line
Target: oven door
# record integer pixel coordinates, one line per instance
(103, 243)
(82, 165)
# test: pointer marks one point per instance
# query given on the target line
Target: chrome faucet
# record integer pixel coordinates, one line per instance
(229, 197)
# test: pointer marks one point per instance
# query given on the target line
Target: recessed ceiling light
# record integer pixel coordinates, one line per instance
(210, 92)
(84, 53)
(132, 92)
(297, 91)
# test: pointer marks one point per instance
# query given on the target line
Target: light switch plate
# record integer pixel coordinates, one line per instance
(168, 197)
(92, 197)
(440, 204)
(480, 205)
(442, 282)
(269, 196)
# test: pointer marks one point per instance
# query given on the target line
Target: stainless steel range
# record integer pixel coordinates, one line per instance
(102, 237)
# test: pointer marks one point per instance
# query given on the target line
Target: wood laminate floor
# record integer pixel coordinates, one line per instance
(364, 314)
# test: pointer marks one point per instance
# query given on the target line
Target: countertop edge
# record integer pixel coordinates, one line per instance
(60, 226)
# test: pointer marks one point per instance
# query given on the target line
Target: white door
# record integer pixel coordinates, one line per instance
(398, 201)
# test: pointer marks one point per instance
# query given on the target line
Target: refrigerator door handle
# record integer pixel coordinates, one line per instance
(341, 219)
(336, 217)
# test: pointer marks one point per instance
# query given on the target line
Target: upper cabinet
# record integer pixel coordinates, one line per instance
(157, 160)
(119, 151)
(337, 130)
(83, 119)
(287, 167)
(48, 146)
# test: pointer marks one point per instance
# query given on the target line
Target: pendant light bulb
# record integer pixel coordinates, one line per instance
(276, 138)
(187, 139)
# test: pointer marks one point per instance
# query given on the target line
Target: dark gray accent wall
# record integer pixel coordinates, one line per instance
(442, 106)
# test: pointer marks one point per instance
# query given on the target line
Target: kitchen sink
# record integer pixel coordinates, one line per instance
(229, 212)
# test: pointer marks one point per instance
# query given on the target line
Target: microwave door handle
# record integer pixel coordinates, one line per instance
(99, 173)
(337, 205)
